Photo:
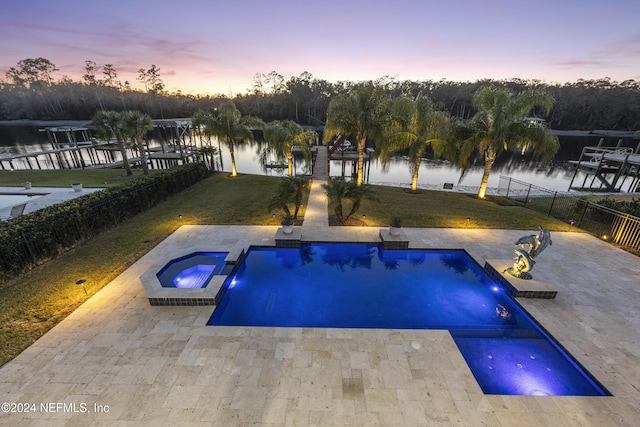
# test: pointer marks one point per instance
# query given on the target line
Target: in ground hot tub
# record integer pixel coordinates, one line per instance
(194, 270)
(192, 277)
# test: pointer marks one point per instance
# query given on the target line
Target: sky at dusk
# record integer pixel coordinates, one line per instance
(217, 47)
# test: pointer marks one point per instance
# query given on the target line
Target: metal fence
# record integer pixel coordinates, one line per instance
(608, 224)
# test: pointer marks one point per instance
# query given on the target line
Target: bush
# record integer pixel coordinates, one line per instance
(31, 239)
(631, 207)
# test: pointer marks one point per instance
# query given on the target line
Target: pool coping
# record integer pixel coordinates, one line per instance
(515, 287)
(161, 296)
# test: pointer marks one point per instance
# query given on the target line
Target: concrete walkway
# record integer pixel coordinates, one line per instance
(316, 213)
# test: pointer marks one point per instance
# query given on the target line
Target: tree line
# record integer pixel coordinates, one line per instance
(30, 91)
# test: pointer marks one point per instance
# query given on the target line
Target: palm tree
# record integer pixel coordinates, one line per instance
(229, 125)
(137, 125)
(207, 150)
(338, 190)
(111, 124)
(290, 190)
(283, 137)
(361, 113)
(499, 125)
(357, 194)
(414, 126)
(207, 154)
(298, 186)
(281, 199)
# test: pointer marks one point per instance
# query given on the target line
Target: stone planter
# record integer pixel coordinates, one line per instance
(394, 231)
(287, 229)
(26, 185)
(77, 187)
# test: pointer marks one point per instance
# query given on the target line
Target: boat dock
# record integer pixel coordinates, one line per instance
(610, 166)
(342, 150)
(74, 147)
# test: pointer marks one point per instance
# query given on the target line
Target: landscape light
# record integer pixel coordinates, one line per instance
(82, 282)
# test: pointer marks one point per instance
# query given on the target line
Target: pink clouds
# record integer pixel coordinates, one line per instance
(218, 47)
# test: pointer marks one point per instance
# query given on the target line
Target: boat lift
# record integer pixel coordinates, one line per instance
(608, 165)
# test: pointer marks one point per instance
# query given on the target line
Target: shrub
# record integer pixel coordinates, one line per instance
(31, 239)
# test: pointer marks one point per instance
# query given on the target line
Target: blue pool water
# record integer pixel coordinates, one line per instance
(192, 271)
(363, 286)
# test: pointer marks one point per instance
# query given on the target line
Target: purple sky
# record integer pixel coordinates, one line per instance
(218, 46)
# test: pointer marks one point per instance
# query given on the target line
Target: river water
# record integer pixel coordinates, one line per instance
(557, 175)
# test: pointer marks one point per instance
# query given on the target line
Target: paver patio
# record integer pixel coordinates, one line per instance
(163, 366)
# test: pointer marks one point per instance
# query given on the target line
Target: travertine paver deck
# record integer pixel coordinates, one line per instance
(162, 366)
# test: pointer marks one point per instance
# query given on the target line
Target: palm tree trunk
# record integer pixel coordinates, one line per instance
(145, 165)
(361, 144)
(143, 157)
(416, 170)
(338, 211)
(489, 158)
(234, 170)
(125, 158)
(354, 209)
(290, 161)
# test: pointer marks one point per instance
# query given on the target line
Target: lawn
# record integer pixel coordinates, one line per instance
(440, 209)
(36, 301)
(65, 177)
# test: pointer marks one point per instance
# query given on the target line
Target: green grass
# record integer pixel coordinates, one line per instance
(439, 209)
(65, 177)
(36, 301)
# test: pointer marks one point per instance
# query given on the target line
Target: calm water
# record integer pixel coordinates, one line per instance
(433, 174)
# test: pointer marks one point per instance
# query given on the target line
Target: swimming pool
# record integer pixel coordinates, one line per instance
(364, 286)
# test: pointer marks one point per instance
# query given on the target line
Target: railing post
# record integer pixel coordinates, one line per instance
(508, 188)
(552, 203)
(526, 199)
(584, 211)
(27, 243)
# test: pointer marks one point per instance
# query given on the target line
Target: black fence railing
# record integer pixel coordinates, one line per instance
(29, 240)
(608, 224)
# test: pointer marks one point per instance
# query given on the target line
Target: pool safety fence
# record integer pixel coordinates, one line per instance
(619, 228)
